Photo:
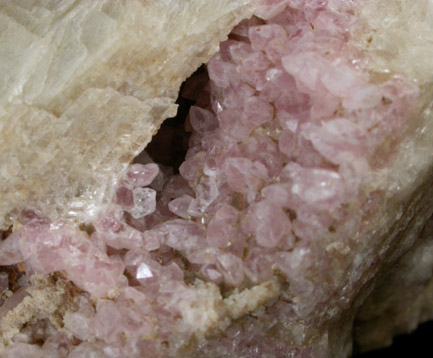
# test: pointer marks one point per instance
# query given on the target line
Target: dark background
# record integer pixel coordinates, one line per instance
(419, 344)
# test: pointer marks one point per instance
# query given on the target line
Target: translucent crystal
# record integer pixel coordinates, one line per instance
(144, 202)
(141, 175)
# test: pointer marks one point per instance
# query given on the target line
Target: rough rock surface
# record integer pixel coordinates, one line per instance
(301, 208)
(85, 85)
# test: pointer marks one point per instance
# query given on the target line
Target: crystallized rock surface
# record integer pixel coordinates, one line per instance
(298, 224)
(85, 85)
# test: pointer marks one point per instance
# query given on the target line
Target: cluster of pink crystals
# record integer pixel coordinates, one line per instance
(290, 122)
(293, 124)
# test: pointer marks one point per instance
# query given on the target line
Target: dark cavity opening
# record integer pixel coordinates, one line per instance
(170, 144)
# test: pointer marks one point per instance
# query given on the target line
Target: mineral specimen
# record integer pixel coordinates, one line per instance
(301, 210)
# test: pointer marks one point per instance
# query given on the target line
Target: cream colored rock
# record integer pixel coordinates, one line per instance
(84, 86)
(401, 300)
(49, 297)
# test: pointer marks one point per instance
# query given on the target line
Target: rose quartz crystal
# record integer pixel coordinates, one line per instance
(280, 145)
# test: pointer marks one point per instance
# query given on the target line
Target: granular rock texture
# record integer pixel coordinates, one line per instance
(300, 208)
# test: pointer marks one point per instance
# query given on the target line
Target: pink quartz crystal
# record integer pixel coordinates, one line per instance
(278, 153)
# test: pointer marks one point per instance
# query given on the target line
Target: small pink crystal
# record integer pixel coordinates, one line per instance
(364, 96)
(243, 174)
(222, 71)
(231, 268)
(141, 175)
(257, 265)
(56, 346)
(257, 112)
(181, 205)
(111, 227)
(267, 222)
(201, 120)
(317, 188)
(80, 322)
(181, 235)
(23, 350)
(340, 80)
(306, 68)
(231, 124)
(124, 197)
(222, 226)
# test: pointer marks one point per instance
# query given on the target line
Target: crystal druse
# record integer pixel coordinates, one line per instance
(299, 223)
